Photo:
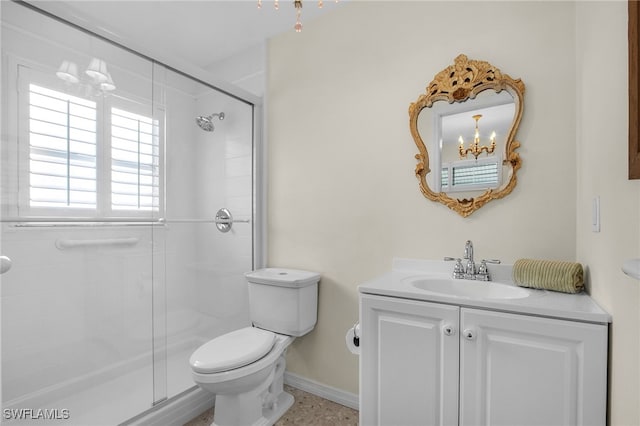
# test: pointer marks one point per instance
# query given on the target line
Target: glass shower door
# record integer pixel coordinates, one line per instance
(77, 211)
(110, 188)
(209, 168)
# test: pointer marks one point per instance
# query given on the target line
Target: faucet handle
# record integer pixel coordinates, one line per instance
(458, 269)
(483, 271)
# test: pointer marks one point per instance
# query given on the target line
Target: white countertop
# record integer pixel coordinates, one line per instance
(577, 307)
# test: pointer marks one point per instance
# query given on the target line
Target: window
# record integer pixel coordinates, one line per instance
(135, 162)
(85, 162)
(471, 175)
(62, 150)
(444, 178)
(485, 175)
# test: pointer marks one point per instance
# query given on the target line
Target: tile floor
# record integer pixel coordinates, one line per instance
(307, 410)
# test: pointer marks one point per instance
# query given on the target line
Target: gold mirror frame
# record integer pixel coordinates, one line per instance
(458, 83)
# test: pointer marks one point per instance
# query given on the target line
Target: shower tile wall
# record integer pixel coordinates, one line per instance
(227, 178)
(205, 288)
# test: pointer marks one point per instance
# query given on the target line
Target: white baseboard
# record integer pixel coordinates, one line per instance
(339, 396)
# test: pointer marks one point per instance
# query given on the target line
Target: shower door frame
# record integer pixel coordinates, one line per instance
(259, 228)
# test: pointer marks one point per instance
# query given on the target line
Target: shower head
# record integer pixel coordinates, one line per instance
(206, 123)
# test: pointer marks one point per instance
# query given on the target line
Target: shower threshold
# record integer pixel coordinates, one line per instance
(114, 401)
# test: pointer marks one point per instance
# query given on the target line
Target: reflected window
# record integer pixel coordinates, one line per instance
(478, 174)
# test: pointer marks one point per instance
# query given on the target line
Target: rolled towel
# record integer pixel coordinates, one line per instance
(567, 277)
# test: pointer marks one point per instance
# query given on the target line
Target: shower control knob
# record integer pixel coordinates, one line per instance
(223, 220)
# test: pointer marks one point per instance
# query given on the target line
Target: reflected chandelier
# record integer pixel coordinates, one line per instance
(474, 147)
(298, 5)
(99, 78)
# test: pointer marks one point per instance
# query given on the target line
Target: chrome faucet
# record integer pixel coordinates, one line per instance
(470, 271)
(470, 268)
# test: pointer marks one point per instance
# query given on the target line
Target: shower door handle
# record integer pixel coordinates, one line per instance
(5, 264)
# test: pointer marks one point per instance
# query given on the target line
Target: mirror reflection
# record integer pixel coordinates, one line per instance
(464, 126)
(467, 141)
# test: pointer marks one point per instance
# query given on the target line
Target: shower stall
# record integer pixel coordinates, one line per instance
(128, 217)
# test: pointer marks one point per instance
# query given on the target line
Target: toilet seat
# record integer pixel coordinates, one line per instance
(232, 350)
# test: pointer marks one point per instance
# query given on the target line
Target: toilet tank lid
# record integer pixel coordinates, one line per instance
(283, 277)
(232, 350)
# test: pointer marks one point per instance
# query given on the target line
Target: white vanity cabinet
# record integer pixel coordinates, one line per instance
(408, 362)
(425, 363)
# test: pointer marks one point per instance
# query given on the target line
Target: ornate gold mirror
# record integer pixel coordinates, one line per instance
(468, 116)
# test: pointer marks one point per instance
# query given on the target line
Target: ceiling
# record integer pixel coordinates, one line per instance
(198, 32)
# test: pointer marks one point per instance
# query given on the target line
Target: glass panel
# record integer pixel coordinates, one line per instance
(77, 303)
(99, 319)
(205, 286)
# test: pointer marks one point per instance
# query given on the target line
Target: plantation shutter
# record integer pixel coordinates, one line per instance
(135, 160)
(62, 150)
(482, 174)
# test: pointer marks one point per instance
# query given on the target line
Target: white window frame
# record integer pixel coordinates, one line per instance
(27, 75)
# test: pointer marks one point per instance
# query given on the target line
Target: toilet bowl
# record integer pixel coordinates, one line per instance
(245, 368)
(250, 391)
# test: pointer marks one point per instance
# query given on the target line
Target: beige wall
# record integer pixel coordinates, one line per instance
(342, 197)
(601, 138)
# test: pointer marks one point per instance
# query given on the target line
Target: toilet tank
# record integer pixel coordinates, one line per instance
(283, 300)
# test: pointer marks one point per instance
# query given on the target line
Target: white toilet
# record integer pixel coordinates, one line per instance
(244, 368)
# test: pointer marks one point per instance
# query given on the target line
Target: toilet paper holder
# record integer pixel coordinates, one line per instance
(356, 334)
(352, 339)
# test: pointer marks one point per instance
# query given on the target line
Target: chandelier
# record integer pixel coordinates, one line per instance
(98, 78)
(474, 147)
(298, 5)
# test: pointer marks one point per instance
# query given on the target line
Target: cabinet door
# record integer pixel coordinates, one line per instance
(530, 371)
(408, 362)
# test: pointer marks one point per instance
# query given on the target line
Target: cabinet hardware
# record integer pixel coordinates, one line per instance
(469, 334)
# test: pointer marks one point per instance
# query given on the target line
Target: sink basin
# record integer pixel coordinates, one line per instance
(468, 289)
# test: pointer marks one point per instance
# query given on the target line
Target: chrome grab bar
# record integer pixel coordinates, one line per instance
(231, 221)
(26, 222)
(64, 244)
